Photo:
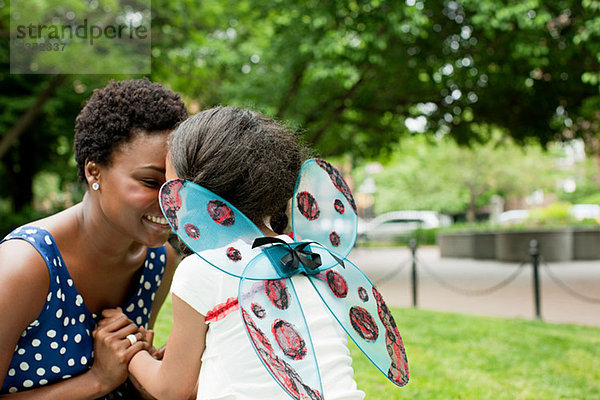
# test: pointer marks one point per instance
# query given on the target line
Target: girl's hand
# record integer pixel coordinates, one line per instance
(112, 349)
(148, 336)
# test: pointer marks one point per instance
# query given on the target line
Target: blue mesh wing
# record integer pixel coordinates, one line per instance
(361, 311)
(211, 227)
(274, 321)
(323, 209)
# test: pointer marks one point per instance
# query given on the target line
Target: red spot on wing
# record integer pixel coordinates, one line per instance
(338, 181)
(289, 339)
(234, 254)
(398, 371)
(339, 206)
(192, 230)
(337, 284)
(276, 292)
(220, 212)
(364, 324)
(362, 293)
(334, 238)
(285, 374)
(307, 205)
(170, 200)
(258, 310)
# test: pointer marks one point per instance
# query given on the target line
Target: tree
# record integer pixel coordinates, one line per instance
(37, 116)
(440, 175)
(530, 67)
(350, 73)
(345, 72)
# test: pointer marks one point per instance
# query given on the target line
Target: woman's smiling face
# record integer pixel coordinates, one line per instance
(129, 188)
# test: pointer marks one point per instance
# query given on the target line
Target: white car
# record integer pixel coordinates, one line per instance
(513, 217)
(397, 224)
(585, 211)
(577, 211)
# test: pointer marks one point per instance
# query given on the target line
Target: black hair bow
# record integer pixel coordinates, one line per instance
(297, 255)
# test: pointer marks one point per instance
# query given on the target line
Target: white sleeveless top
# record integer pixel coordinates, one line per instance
(231, 369)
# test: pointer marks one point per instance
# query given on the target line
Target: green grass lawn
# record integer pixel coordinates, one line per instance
(453, 356)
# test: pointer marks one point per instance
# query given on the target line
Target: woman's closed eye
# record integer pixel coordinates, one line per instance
(153, 183)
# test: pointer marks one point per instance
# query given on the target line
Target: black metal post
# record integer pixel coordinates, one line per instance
(413, 249)
(534, 252)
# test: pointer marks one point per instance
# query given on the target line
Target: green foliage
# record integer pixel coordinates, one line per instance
(51, 193)
(587, 187)
(80, 37)
(442, 176)
(11, 220)
(424, 237)
(319, 65)
(469, 227)
(351, 76)
(454, 356)
(556, 213)
(593, 198)
(47, 143)
(350, 73)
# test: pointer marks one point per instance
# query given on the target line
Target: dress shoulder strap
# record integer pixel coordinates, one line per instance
(43, 242)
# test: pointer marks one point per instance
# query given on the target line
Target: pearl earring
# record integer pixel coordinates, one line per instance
(95, 186)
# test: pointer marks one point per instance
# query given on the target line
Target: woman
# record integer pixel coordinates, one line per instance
(78, 287)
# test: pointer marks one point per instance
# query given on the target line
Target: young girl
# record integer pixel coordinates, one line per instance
(253, 163)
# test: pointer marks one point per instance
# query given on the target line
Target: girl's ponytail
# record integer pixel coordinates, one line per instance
(279, 221)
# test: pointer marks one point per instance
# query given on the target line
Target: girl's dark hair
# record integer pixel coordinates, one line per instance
(113, 115)
(244, 157)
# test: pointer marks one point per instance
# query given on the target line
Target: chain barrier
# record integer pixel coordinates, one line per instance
(395, 271)
(566, 288)
(535, 261)
(475, 292)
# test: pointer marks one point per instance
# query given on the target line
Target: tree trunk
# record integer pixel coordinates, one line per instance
(471, 211)
(29, 116)
(597, 163)
(335, 113)
(23, 179)
(293, 90)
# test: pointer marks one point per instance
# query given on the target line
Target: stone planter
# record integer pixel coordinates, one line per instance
(554, 245)
(586, 243)
(484, 245)
(456, 244)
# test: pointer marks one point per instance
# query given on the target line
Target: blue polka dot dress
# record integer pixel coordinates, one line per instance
(58, 344)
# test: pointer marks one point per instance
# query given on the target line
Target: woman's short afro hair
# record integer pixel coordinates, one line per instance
(113, 115)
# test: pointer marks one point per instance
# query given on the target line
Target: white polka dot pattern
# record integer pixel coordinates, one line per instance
(58, 344)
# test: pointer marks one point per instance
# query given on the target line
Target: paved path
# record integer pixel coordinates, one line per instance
(390, 270)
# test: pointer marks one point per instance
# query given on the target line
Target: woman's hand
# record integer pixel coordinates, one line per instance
(112, 349)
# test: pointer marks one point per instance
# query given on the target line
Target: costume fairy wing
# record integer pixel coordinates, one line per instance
(274, 321)
(361, 311)
(323, 208)
(211, 227)
(224, 237)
